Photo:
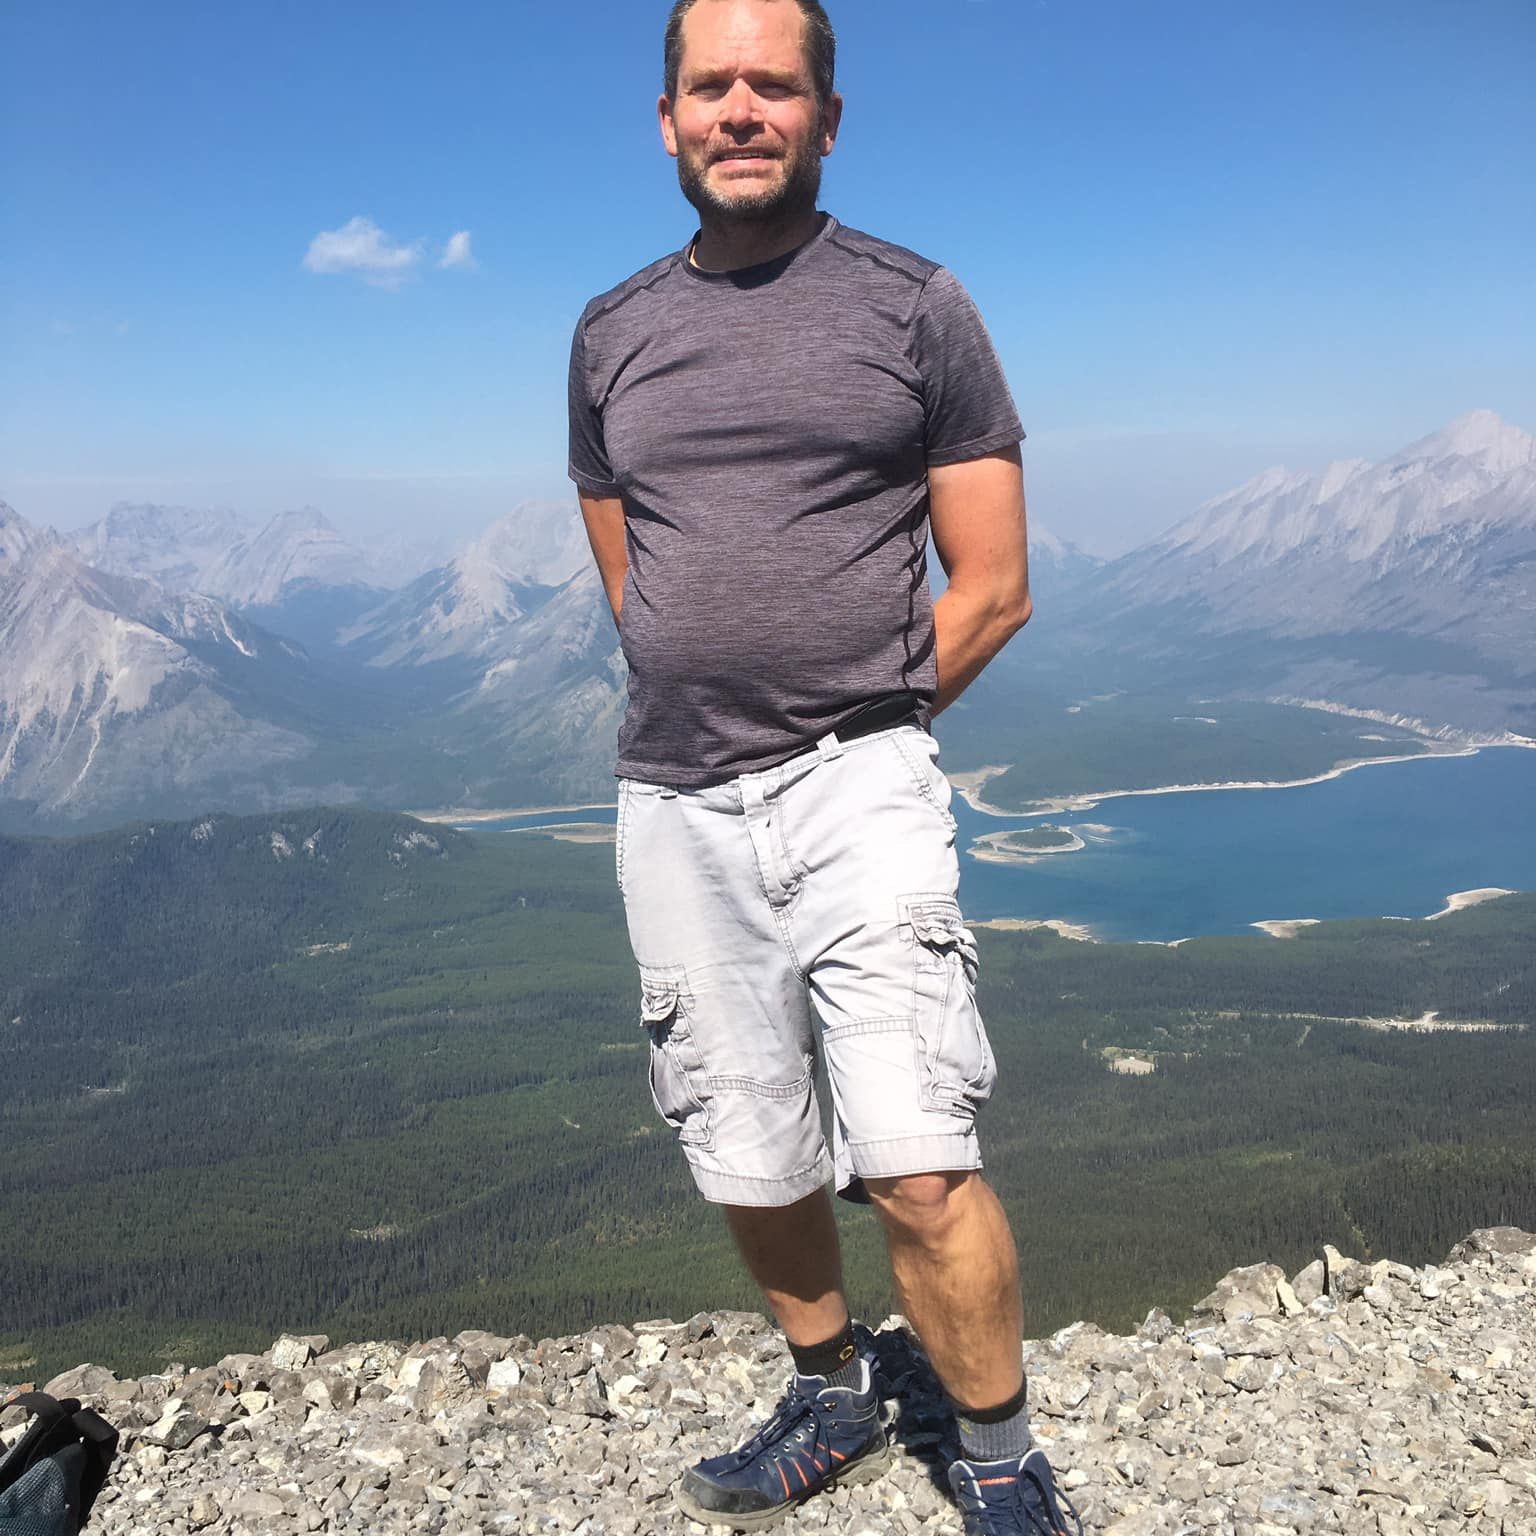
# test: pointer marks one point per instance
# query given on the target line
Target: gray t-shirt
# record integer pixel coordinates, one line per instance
(769, 431)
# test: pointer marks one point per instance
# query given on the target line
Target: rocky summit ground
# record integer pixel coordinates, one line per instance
(1350, 1398)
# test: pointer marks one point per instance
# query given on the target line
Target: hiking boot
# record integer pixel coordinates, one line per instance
(816, 1437)
(1017, 1497)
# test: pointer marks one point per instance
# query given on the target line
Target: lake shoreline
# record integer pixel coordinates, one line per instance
(467, 818)
(971, 783)
(1457, 901)
(1080, 933)
(991, 849)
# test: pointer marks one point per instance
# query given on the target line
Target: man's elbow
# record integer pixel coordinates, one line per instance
(1017, 610)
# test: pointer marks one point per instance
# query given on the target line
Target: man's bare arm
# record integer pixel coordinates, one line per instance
(976, 514)
(604, 517)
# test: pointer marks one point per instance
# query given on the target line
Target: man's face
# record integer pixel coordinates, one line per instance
(745, 127)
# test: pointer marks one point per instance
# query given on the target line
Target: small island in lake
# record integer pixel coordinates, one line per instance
(1025, 843)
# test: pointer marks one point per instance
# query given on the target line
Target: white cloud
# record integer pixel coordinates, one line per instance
(360, 246)
(458, 254)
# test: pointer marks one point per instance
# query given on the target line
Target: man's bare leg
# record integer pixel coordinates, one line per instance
(957, 1275)
(793, 1254)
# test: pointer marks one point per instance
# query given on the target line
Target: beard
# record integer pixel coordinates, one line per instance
(797, 191)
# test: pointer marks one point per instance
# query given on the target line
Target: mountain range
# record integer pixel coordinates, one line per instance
(1408, 585)
(168, 658)
(247, 563)
(112, 687)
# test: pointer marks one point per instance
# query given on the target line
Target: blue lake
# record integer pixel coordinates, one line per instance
(1391, 840)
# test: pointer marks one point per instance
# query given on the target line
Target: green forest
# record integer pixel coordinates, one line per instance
(1146, 739)
(346, 1072)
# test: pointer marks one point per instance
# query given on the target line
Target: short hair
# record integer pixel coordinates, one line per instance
(820, 47)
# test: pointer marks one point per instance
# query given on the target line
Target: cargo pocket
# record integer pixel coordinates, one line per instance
(677, 1070)
(956, 1069)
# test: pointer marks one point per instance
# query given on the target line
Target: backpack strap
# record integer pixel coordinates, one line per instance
(66, 1423)
(48, 1429)
(48, 1409)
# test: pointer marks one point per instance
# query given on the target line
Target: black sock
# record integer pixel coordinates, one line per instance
(837, 1359)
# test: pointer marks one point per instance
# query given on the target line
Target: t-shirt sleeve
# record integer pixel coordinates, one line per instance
(589, 466)
(968, 410)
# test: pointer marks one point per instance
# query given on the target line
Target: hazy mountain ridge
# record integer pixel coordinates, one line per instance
(110, 685)
(173, 546)
(88, 653)
(1055, 564)
(469, 608)
(1408, 585)
(214, 552)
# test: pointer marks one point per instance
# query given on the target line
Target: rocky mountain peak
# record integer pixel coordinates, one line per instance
(471, 607)
(537, 544)
(18, 537)
(302, 520)
(1482, 436)
(1368, 1399)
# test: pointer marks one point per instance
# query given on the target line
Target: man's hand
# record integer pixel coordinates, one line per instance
(604, 517)
(976, 516)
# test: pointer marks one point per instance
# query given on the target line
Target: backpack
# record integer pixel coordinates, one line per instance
(51, 1476)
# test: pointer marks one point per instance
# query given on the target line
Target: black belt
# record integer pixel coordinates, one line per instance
(895, 709)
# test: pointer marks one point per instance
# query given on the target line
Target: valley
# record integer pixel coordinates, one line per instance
(390, 1083)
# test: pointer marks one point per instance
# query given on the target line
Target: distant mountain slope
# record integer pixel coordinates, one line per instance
(113, 688)
(553, 704)
(239, 561)
(469, 608)
(173, 546)
(1054, 564)
(1407, 586)
(292, 548)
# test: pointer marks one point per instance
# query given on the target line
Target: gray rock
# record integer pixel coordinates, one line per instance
(291, 1354)
(1311, 1282)
(1495, 1241)
(1386, 1401)
(1249, 1292)
(83, 1381)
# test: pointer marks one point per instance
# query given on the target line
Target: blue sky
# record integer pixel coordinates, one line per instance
(1208, 236)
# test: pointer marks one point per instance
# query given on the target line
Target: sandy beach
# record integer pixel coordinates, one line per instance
(1081, 932)
(1285, 928)
(468, 817)
(1458, 901)
(573, 832)
(976, 782)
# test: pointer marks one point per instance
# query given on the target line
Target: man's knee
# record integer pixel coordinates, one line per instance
(922, 1207)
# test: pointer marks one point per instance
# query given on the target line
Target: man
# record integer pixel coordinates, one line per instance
(765, 426)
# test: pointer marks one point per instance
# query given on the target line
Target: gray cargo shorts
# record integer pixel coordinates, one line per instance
(822, 889)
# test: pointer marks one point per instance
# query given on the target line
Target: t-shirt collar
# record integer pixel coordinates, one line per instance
(764, 271)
